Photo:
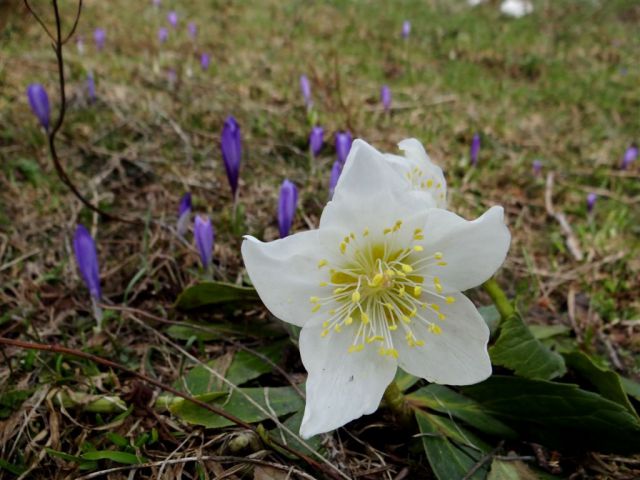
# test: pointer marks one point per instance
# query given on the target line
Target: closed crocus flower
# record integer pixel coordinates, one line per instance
(39, 102)
(85, 251)
(316, 140)
(336, 170)
(385, 97)
(172, 18)
(537, 167)
(591, 201)
(305, 88)
(205, 61)
(100, 37)
(91, 87)
(343, 145)
(406, 29)
(287, 207)
(629, 157)
(163, 34)
(204, 235)
(474, 151)
(231, 145)
(184, 212)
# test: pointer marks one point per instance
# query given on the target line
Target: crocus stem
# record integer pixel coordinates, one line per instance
(499, 298)
(394, 399)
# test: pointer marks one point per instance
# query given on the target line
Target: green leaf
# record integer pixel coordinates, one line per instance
(511, 470)
(518, 350)
(631, 387)
(542, 332)
(558, 415)
(491, 316)
(604, 380)
(214, 293)
(277, 400)
(444, 400)
(405, 380)
(11, 468)
(114, 456)
(452, 451)
(293, 423)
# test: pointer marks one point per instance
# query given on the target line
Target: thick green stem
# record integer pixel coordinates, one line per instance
(394, 399)
(499, 298)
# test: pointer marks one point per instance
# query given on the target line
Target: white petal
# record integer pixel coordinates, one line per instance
(341, 386)
(472, 251)
(285, 273)
(457, 356)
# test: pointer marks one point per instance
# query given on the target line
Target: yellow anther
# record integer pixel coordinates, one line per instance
(343, 247)
(386, 231)
(438, 255)
(419, 343)
(413, 312)
(339, 290)
(405, 319)
(418, 248)
(375, 338)
(389, 305)
(364, 317)
(438, 288)
(323, 284)
(377, 280)
(346, 239)
(407, 268)
(352, 236)
(353, 348)
(442, 264)
(325, 324)
(322, 263)
(435, 307)
(401, 291)
(332, 312)
(314, 299)
(439, 185)
(316, 307)
(392, 352)
(393, 327)
(450, 300)
(324, 333)
(397, 226)
(382, 351)
(435, 329)
(417, 291)
(360, 347)
(441, 316)
(355, 296)
(348, 321)
(389, 273)
(337, 328)
(366, 232)
(429, 183)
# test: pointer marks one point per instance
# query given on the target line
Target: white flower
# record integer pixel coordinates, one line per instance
(420, 172)
(377, 286)
(473, 3)
(516, 8)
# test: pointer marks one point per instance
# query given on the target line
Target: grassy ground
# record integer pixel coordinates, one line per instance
(561, 85)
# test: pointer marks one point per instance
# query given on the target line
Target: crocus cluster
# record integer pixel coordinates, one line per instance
(378, 285)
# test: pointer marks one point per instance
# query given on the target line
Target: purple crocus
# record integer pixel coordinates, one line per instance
(231, 145)
(537, 167)
(316, 140)
(406, 29)
(91, 87)
(100, 37)
(192, 28)
(163, 34)
(85, 251)
(204, 235)
(343, 145)
(39, 102)
(172, 18)
(629, 157)
(336, 170)
(591, 201)
(305, 88)
(385, 97)
(205, 61)
(475, 149)
(184, 212)
(287, 207)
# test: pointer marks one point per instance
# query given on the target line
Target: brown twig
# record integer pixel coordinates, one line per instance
(571, 240)
(58, 42)
(108, 363)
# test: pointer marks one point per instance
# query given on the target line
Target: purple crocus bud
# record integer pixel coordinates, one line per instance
(343, 145)
(630, 156)
(385, 97)
(172, 18)
(336, 170)
(100, 37)
(184, 212)
(537, 167)
(163, 34)
(205, 61)
(591, 201)
(316, 140)
(85, 250)
(475, 149)
(287, 207)
(91, 87)
(231, 145)
(406, 29)
(305, 87)
(192, 28)
(39, 102)
(204, 235)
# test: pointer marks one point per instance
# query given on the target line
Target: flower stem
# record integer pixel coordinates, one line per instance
(499, 298)
(394, 399)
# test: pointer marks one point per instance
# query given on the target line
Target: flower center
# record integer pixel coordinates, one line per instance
(379, 286)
